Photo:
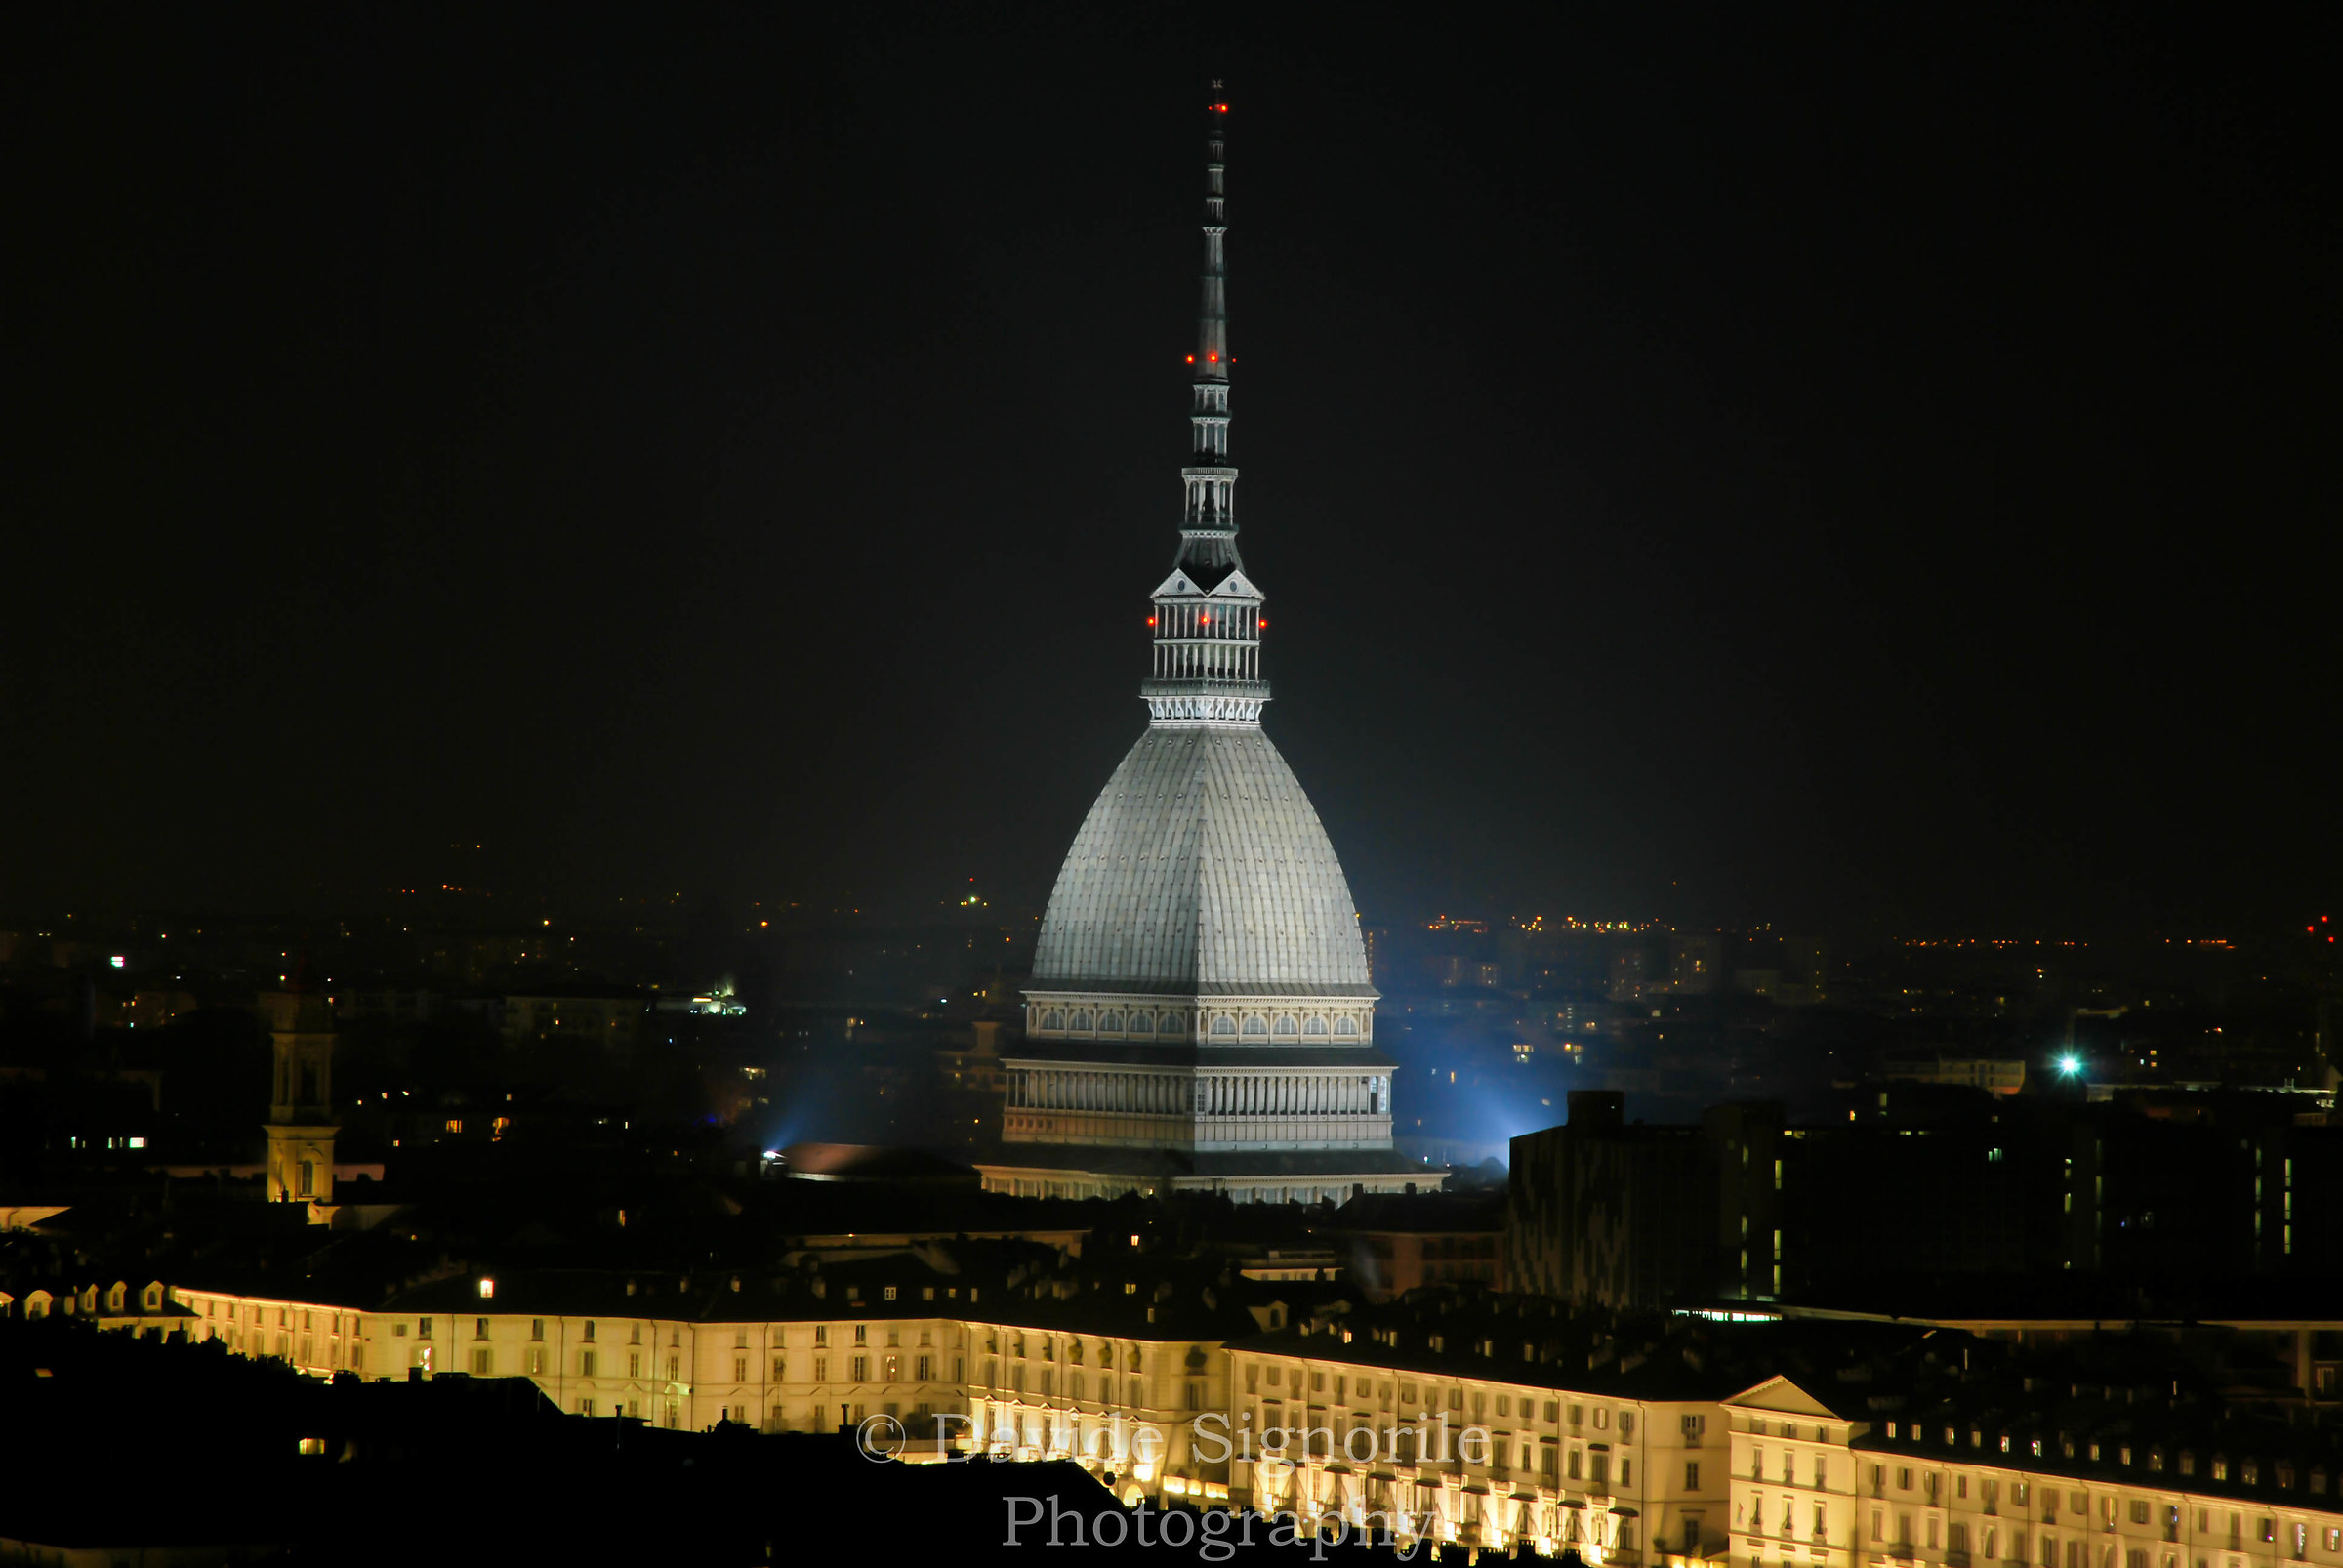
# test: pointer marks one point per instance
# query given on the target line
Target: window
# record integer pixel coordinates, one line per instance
(780, 1369)
(740, 1369)
(479, 1328)
(821, 1334)
(585, 1407)
(589, 1335)
(536, 1328)
(585, 1363)
(536, 1360)
(1693, 1426)
(483, 1362)
(2139, 1511)
(423, 1329)
(862, 1369)
(1692, 1472)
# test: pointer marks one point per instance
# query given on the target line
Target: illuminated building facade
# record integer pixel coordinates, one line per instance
(301, 1127)
(1611, 1465)
(1485, 1422)
(2076, 1477)
(1201, 1013)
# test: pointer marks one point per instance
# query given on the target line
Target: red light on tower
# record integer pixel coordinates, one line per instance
(1191, 359)
(1214, 358)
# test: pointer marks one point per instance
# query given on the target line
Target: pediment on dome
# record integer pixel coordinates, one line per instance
(1178, 584)
(1236, 585)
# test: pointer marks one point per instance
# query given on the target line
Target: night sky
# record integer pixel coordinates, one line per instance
(1852, 469)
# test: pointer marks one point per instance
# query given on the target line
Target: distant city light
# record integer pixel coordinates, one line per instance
(119, 962)
(488, 1289)
(2069, 1065)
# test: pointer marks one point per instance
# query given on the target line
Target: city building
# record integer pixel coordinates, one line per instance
(301, 1127)
(1393, 1243)
(1200, 1015)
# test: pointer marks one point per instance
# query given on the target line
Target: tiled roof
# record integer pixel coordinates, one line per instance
(1202, 865)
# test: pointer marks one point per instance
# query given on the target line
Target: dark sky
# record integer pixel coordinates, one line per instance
(1867, 467)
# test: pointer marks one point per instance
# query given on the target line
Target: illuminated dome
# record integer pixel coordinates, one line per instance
(1200, 1016)
(1202, 870)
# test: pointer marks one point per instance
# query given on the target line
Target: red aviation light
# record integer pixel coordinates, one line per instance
(1150, 620)
(1214, 358)
(1191, 359)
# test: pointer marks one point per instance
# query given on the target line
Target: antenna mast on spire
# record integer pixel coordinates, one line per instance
(1207, 615)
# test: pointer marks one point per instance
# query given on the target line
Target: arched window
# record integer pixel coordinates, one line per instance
(1255, 1025)
(1347, 1026)
(1285, 1026)
(1110, 1022)
(1080, 1023)
(1053, 1019)
(1142, 1024)
(1224, 1025)
(1316, 1026)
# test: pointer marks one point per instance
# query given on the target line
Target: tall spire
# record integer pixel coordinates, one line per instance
(1207, 615)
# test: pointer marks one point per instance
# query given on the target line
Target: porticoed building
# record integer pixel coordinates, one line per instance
(1720, 1438)
(1201, 1014)
(2052, 1471)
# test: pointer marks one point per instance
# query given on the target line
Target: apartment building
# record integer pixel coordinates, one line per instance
(2067, 1477)
(1452, 1416)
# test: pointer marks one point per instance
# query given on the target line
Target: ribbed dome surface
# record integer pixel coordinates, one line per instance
(1202, 868)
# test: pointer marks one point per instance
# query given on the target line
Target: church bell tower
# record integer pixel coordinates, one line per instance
(301, 1127)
